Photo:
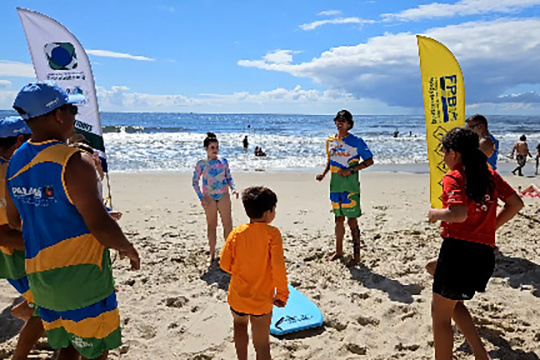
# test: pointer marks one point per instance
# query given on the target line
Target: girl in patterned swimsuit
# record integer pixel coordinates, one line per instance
(216, 180)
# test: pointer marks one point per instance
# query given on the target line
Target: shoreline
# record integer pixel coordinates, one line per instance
(503, 168)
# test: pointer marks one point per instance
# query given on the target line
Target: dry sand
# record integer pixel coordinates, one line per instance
(175, 308)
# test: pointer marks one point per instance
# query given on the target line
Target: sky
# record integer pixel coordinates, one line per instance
(287, 56)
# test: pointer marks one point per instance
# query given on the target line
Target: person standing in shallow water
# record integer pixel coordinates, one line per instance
(245, 143)
(214, 196)
(344, 152)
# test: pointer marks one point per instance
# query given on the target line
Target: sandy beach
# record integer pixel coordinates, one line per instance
(176, 308)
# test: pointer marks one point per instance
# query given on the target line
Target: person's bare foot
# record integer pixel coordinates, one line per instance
(334, 256)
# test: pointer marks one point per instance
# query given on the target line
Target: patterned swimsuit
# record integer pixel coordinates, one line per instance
(216, 178)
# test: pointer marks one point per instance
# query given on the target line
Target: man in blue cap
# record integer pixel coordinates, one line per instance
(13, 133)
(67, 231)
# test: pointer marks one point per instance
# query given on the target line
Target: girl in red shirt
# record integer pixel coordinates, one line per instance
(469, 219)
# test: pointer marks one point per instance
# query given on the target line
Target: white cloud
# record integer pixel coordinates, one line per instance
(494, 56)
(280, 56)
(107, 53)
(329, 13)
(5, 84)
(349, 20)
(295, 100)
(461, 8)
(17, 69)
(6, 98)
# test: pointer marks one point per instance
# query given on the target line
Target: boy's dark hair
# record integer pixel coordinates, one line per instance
(257, 200)
(477, 179)
(210, 138)
(347, 116)
(7, 142)
(523, 138)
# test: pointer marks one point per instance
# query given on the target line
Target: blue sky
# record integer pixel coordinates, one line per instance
(287, 56)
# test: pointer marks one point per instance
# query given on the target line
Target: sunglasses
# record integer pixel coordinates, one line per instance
(340, 119)
(74, 110)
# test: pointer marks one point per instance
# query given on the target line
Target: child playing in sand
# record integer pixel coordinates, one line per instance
(469, 219)
(344, 151)
(253, 254)
(216, 181)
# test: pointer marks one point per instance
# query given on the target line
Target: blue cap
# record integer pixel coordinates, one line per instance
(40, 98)
(13, 126)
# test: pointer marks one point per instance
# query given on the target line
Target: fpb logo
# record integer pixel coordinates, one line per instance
(448, 86)
(61, 56)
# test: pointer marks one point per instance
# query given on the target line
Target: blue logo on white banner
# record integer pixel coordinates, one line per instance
(61, 56)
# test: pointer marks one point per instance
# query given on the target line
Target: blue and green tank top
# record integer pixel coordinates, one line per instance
(343, 153)
(67, 267)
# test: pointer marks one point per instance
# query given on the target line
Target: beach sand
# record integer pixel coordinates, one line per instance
(176, 308)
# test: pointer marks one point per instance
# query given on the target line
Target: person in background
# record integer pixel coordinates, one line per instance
(488, 143)
(344, 152)
(214, 197)
(537, 158)
(259, 151)
(245, 143)
(521, 148)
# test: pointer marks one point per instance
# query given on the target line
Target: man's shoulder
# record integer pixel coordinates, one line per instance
(354, 139)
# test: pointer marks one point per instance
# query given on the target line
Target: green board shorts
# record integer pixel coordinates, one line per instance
(346, 204)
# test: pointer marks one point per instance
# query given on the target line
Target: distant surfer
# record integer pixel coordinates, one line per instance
(396, 133)
(488, 143)
(344, 152)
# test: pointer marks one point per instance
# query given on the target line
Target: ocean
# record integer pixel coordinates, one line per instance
(173, 141)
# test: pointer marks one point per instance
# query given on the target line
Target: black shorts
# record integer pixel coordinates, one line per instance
(244, 314)
(463, 268)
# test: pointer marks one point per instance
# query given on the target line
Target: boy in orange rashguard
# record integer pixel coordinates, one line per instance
(253, 254)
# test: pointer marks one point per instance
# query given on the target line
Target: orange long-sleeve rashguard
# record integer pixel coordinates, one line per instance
(253, 254)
